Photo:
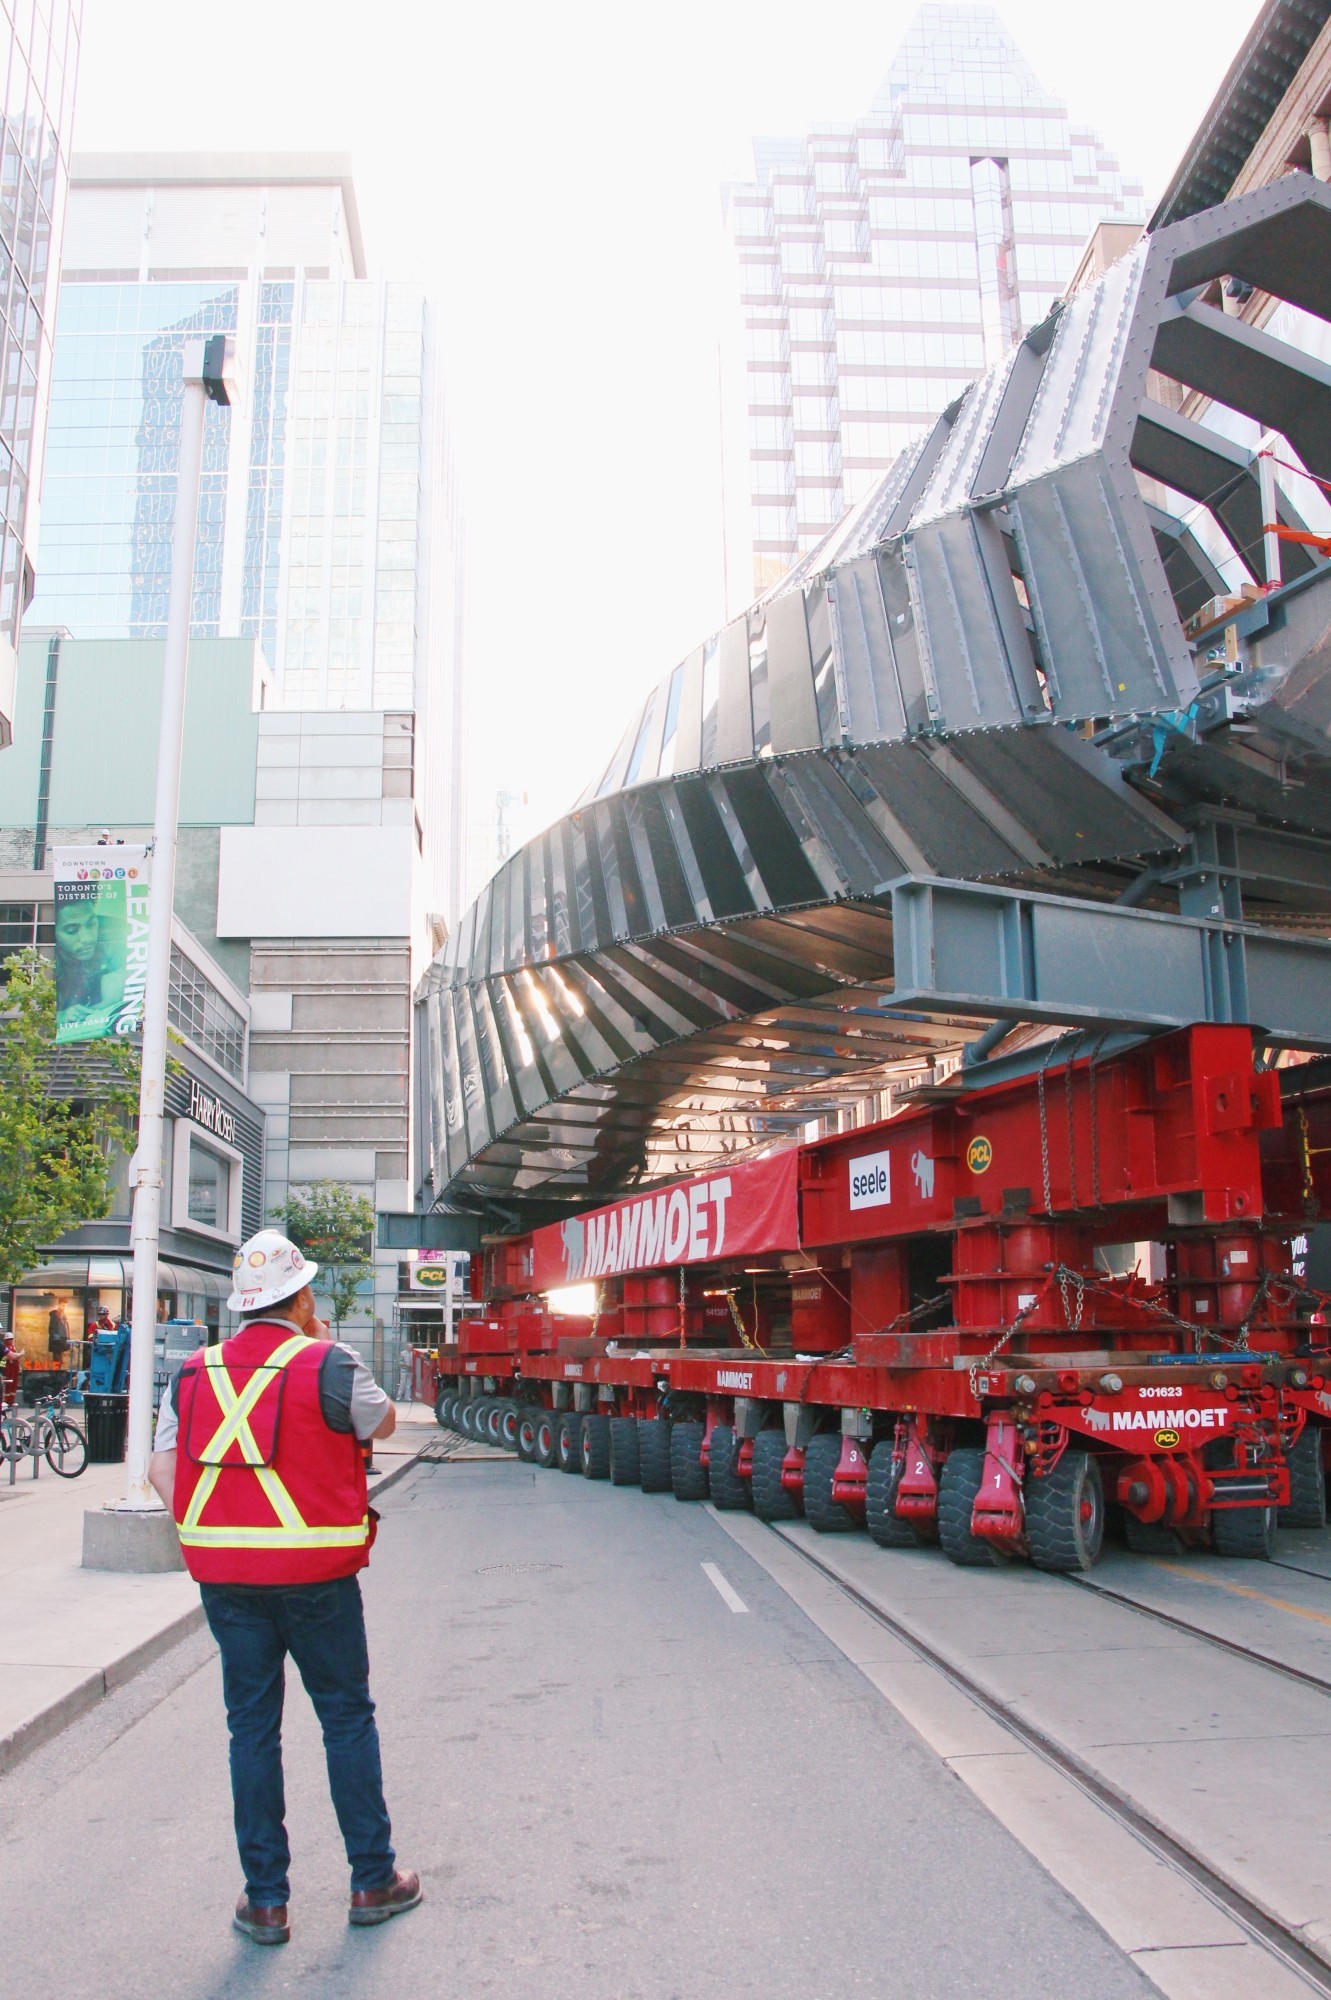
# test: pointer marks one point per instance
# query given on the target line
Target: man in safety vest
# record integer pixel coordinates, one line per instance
(258, 1457)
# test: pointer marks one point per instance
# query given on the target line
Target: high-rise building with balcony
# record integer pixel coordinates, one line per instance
(39, 59)
(881, 266)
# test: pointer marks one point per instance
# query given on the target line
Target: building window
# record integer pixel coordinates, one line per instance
(206, 1185)
(209, 1186)
(23, 925)
(198, 1010)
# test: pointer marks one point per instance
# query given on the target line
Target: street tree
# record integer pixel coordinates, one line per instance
(61, 1109)
(334, 1225)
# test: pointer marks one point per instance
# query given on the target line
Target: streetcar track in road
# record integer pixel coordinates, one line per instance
(1265, 1931)
(1249, 1653)
(1301, 1569)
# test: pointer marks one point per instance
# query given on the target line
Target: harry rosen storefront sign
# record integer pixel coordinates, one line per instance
(749, 1209)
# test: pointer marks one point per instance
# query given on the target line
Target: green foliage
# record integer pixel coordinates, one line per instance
(335, 1226)
(60, 1109)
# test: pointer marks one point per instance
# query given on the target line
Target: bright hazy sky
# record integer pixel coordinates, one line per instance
(553, 173)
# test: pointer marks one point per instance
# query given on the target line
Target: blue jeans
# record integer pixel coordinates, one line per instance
(322, 1626)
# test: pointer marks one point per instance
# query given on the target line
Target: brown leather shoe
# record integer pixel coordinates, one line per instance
(262, 1923)
(376, 1906)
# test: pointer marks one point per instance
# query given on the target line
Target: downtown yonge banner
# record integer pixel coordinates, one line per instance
(746, 1210)
(101, 941)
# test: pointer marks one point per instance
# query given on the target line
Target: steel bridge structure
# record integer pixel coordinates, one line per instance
(1012, 744)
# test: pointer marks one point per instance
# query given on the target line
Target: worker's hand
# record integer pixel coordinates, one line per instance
(317, 1329)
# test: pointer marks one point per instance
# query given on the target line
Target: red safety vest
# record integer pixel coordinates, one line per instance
(265, 1492)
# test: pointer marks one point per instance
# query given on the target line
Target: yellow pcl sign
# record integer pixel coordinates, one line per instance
(979, 1154)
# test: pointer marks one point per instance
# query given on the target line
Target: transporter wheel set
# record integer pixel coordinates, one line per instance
(1007, 1322)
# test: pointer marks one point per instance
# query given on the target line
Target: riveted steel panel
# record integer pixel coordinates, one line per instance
(1102, 649)
(864, 653)
(794, 707)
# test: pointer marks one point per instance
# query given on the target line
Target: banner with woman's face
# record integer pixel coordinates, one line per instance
(101, 941)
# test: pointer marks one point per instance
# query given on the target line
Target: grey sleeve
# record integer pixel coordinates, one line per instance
(349, 1396)
(168, 1420)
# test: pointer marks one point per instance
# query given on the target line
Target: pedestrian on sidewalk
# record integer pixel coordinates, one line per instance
(258, 1456)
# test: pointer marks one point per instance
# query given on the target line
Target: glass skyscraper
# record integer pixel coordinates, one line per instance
(39, 52)
(309, 523)
(328, 525)
(883, 265)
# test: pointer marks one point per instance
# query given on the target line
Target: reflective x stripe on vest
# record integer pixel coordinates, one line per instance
(289, 1530)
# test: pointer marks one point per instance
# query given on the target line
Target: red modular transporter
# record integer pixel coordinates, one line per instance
(979, 1321)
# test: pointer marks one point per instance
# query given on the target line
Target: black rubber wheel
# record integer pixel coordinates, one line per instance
(963, 1470)
(508, 1424)
(1065, 1514)
(528, 1417)
(441, 1409)
(771, 1501)
(654, 1454)
(491, 1431)
(467, 1415)
(821, 1458)
(568, 1450)
(66, 1448)
(547, 1439)
(688, 1474)
(596, 1447)
(624, 1469)
(728, 1490)
(1149, 1538)
(1307, 1482)
(1244, 1531)
(880, 1499)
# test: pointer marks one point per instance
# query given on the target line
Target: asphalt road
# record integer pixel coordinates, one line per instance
(613, 1784)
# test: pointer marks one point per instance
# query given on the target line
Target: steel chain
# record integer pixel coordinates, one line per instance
(1069, 1280)
(745, 1339)
(1044, 1128)
(913, 1312)
(1153, 1306)
(981, 1367)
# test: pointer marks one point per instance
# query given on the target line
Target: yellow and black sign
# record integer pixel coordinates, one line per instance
(1166, 1440)
(431, 1277)
(979, 1155)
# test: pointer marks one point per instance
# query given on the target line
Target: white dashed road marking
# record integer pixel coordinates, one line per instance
(727, 1591)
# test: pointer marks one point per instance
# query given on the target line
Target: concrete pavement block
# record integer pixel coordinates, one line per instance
(127, 1539)
(1219, 1972)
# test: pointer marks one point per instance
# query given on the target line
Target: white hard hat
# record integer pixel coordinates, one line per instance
(268, 1269)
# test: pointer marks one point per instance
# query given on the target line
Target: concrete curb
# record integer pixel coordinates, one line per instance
(384, 1480)
(101, 1681)
(94, 1687)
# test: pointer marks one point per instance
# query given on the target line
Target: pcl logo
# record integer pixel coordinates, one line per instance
(979, 1155)
(1166, 1440)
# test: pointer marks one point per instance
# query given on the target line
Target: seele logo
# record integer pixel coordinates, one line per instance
(979, 1154)
(871, 1180)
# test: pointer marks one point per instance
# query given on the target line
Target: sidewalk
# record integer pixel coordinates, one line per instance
(68, 1635)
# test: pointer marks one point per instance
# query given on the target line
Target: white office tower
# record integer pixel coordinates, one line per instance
(881, 266)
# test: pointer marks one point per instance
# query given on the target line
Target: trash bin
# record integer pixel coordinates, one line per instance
(107, 1417)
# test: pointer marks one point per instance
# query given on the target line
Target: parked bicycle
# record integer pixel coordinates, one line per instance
(57, 1437)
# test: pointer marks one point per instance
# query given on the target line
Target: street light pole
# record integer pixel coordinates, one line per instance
(209, 375)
